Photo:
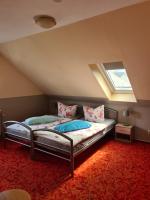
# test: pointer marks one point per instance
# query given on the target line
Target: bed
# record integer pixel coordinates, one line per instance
(67, 145)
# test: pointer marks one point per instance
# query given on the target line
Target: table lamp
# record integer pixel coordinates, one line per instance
(125, 114)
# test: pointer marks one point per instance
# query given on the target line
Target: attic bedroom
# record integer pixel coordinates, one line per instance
(75, 100)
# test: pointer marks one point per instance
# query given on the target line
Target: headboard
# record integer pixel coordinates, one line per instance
(109, 112)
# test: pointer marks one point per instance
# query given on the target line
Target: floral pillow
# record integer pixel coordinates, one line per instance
(66, 111)
(94, 114)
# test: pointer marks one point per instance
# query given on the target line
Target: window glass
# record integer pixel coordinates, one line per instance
(119, 79)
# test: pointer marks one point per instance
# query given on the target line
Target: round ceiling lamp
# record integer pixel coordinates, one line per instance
(57, 1)
(45, 21)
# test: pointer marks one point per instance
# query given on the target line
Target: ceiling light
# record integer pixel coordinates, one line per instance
(57, 1)
(45, 21)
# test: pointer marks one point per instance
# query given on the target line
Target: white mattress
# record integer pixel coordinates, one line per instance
(20, 130)
(77, 136)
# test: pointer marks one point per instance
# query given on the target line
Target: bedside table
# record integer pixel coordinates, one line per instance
(124, 133)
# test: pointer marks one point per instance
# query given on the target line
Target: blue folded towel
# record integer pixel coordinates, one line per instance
(72, 126)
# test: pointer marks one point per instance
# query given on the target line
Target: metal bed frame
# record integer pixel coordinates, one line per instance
(54, 151)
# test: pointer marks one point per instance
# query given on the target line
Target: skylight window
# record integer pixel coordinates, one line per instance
(117, 78)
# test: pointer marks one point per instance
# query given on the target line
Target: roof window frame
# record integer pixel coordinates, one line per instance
(113, 65)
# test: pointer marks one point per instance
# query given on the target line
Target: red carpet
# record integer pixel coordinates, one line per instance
(109, 171)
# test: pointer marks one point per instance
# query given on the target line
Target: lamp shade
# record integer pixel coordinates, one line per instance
(125, 113)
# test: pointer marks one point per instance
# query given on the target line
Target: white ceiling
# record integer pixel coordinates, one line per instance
(16, 16)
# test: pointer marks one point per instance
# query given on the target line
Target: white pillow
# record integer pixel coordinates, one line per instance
(94, 114)
(66, 111)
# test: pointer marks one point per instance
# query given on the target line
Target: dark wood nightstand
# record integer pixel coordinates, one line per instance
(124, 133)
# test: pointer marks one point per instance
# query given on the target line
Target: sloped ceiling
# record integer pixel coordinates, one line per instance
(13, 83)
(16, 17)
(58, 60)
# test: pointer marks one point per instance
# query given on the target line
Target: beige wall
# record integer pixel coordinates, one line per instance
(58, 60)
(13, 83)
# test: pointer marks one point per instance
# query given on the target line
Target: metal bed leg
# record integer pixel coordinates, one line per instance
(71, 159)
(32, 145)
(3, 138)
(72, 167)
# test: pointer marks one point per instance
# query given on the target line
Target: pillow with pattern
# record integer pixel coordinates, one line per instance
(66, 111)
(94, 114)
